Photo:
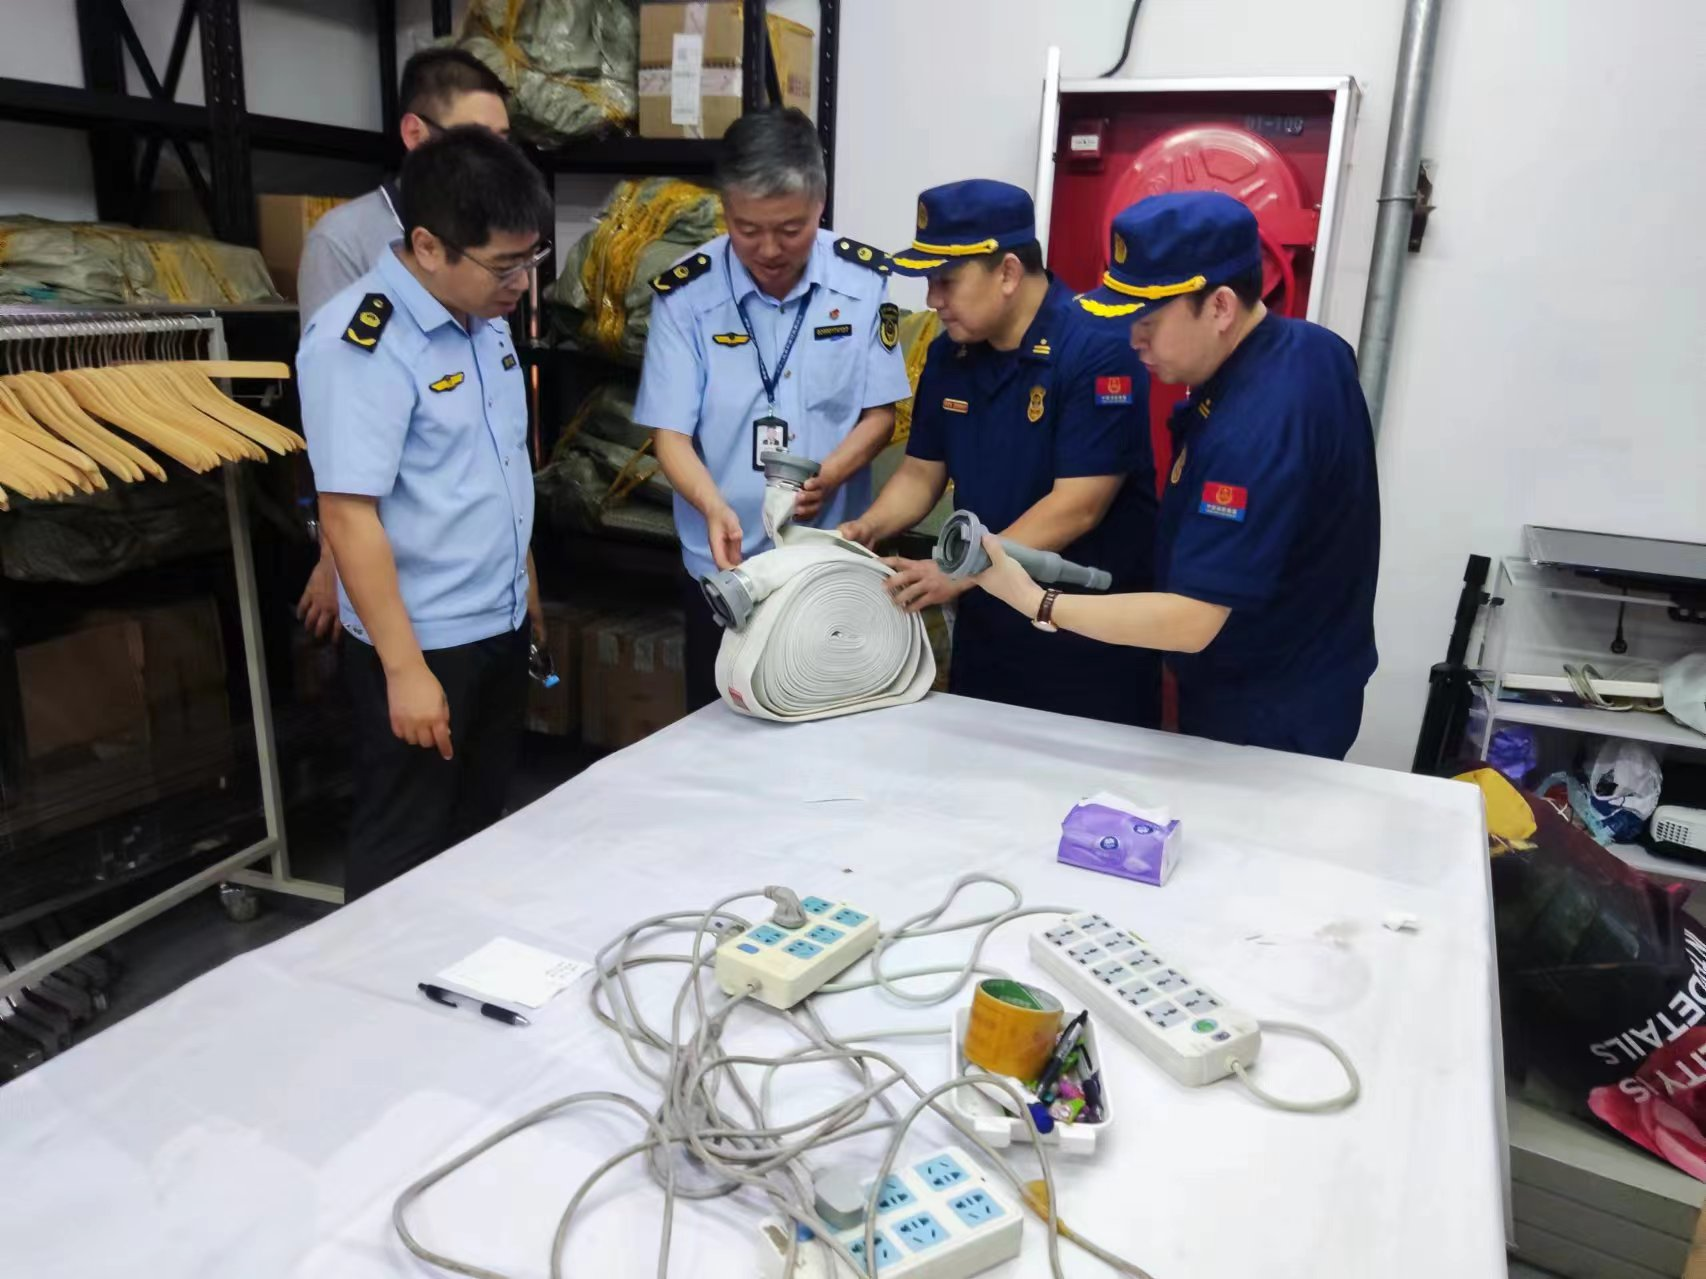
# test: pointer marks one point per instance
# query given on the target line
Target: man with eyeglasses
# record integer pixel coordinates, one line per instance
(416, 414)
(440, 89)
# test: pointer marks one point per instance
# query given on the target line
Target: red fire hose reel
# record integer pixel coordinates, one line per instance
(1222, 157)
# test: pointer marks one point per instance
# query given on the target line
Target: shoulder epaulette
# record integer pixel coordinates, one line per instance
(682, 273)
(862, 255)
(368, 323)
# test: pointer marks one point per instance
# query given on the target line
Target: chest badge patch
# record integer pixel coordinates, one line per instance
(1034, 412)
(1042, 348)
(1179, 465)
(1113, 390)
(831, 332)
(449, 382)
(1224, 501)
(956, 406)
(509, 361)
(730, 339)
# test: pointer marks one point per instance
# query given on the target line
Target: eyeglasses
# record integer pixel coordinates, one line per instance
(505, 274)
(430, 123)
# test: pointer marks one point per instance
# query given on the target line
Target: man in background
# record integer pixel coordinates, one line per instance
(441, 89)
(778, 335)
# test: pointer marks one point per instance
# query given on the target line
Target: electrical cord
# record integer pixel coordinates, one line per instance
(708, 1134)
(1351, 1093)
(924, 925)
(1125, 49)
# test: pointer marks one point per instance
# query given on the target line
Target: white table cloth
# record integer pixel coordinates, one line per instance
(260, 1121)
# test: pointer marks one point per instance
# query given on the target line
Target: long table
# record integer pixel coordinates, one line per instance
(260, 1121)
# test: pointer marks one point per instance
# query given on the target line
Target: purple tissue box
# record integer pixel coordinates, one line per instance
(1102, 835)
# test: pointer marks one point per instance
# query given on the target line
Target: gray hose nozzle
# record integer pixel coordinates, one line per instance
(729, 593)
(788, 469)
(960, 553)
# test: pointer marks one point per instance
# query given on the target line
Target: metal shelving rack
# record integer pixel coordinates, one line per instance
(271, 847)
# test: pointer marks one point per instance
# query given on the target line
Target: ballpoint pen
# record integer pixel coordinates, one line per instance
(439, 995)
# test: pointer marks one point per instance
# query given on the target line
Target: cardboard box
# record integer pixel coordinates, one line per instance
(126, 681)
(84, 692)
(793, 52)
(557, 711)
(690, 68)
(284, 223)
(632, 680)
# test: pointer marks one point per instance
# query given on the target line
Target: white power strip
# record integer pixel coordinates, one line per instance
(784, 965)
(937, 1218)
(1180, 1024)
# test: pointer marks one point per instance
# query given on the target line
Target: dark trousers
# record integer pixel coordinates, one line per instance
(1000, 657)
(411, 804)
(704, 638)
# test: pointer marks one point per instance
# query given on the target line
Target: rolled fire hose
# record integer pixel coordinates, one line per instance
(809, 631)
(960, 553)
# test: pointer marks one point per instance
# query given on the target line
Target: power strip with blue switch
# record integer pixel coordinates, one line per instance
(795, 951)
(937, 1218)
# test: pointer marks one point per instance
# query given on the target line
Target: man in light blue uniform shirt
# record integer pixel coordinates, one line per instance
(777, 335)
(440, 89)
(416, 415)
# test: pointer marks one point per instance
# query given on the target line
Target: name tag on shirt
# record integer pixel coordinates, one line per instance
(1224, 501)
(1113, 390)
(829, 332)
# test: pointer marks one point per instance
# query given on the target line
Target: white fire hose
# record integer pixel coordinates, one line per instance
(809, 632)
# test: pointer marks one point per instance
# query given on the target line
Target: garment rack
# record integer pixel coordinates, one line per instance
(131, 331)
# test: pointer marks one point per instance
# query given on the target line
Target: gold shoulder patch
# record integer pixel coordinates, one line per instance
(368, 323)
(449, 382)
(888, 324)
(862, 255)
(682, 273)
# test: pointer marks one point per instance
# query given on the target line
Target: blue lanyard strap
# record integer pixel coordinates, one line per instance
(764, 375)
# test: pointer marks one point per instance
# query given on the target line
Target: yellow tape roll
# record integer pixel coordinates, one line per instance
(1012, 1029)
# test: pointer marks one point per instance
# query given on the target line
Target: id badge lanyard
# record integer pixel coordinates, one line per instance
(768, 432)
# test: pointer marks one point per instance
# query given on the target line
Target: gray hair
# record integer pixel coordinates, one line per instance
(773, 152)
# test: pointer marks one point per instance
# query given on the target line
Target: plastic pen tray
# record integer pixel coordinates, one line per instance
(1000, 1129)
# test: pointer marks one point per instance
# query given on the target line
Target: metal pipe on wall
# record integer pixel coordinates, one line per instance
(1397, 200)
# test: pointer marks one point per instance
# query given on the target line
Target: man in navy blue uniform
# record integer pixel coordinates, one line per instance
(1038, 416)
(1269, 540)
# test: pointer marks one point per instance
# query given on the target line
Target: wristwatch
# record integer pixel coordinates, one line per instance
(1043, 621)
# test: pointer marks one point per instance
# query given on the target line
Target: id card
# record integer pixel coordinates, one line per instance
(769, 434)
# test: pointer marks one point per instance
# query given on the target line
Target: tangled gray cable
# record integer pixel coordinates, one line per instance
(729, 1151)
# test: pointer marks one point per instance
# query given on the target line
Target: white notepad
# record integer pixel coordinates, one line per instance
(508, 972)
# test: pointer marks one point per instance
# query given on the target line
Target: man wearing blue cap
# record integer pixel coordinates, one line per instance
(1039, 417)
(1269, 539)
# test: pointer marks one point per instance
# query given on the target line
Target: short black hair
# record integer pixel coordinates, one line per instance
(1247, 287)
(772, 152)
(432, 77)
(1030, 255)
(466, 184)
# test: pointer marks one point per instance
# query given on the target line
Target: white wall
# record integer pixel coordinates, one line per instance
(1548, 365)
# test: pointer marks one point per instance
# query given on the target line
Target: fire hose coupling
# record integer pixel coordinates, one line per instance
(730, 594)
(959, 553)
(788, 470)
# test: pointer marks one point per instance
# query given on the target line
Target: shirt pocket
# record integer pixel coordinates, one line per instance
(835, 377)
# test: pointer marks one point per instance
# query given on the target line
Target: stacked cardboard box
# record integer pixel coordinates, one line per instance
(632, 681)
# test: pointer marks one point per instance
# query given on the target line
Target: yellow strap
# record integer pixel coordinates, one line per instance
(957, 250)
(918, 264)
(1150, 292)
